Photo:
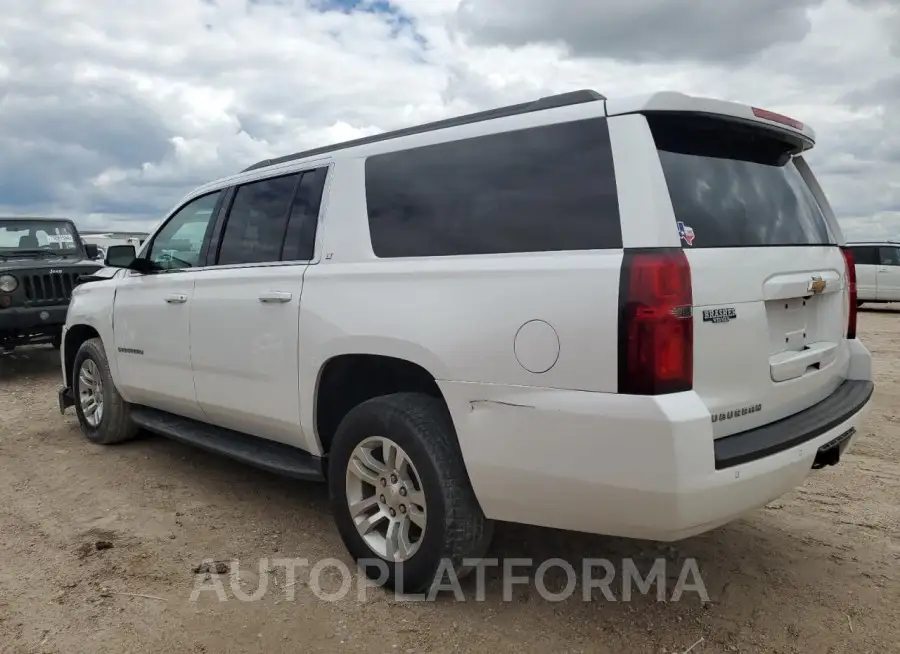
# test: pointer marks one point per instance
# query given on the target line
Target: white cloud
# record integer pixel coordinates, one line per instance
(111, 110)
(642, 30)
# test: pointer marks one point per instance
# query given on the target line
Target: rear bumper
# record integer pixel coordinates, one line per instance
(832, 412)
(628, 466)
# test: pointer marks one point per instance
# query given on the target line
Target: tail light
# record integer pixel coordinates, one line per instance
(656, 328)
(851, 288)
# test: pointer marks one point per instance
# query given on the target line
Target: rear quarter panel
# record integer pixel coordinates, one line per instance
(457, 317)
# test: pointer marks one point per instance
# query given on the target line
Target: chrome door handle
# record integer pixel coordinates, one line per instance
(275, 296)
(177, 298)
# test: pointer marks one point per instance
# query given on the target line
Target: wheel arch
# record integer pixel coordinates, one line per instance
(347, 379)
(75, 336)
(90, 310)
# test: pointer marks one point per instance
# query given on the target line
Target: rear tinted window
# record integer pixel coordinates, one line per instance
(734, 186)
(256, 224)
(890, 256)
(536, 190)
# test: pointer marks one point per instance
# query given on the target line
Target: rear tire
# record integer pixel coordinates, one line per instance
(102, 413)
(422, 485)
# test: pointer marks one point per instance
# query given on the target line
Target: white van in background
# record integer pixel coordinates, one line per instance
(104, 241)
(877, 271)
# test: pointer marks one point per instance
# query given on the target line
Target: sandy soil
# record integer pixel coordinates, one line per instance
(98, 548)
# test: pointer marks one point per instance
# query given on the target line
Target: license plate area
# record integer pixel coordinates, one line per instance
(792, 323)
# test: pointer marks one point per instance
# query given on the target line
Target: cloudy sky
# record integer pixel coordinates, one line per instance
(111, 110)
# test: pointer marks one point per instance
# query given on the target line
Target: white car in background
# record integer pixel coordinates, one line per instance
(877, 270)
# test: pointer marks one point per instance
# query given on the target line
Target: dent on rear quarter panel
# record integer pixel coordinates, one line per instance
(456, 316)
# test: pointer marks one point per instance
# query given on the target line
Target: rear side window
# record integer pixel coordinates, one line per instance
(866, 255)
(735, 186)
(536, 190)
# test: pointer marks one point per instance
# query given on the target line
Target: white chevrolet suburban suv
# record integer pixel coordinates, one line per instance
(631, 317)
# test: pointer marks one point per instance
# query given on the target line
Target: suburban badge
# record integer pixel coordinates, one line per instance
(736, 413)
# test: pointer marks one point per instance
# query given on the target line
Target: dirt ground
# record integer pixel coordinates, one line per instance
(98, 548)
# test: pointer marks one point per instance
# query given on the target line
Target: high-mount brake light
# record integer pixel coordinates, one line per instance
(851, 284)
(656, 325)
(777, 118)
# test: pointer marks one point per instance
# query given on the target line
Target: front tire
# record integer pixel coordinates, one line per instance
(102, 413)
(400, 494)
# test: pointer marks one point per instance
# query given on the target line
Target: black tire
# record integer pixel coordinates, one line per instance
(115, 424)
(456, 530)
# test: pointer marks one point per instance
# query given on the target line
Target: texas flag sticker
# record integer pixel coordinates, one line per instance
(686, 233)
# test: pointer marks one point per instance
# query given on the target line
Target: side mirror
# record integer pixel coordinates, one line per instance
(119, 256)
(91, 250)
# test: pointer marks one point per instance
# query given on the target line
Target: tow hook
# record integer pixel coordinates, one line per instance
(830, 453)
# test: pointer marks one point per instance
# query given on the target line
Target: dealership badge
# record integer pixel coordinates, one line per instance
(686, 233)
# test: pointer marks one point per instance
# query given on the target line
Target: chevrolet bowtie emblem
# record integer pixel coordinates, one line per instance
(816, 285)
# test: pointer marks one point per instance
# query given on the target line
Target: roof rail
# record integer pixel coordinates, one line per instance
(548, 102)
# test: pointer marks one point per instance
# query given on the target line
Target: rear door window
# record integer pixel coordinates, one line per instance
(735, 186)
(300, 240)
(865, 255)
(890, 256)
(257, 222)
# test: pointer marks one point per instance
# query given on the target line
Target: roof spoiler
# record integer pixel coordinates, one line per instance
(671, 102)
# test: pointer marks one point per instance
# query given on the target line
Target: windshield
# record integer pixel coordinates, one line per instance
(37, 238)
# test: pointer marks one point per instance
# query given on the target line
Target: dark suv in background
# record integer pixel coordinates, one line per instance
(41, 261)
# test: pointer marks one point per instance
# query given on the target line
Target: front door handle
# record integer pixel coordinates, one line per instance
(177, 298)
(884, 269)
(275, 296)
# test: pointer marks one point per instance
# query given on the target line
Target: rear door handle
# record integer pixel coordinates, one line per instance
(275, 296)
(177, 298)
